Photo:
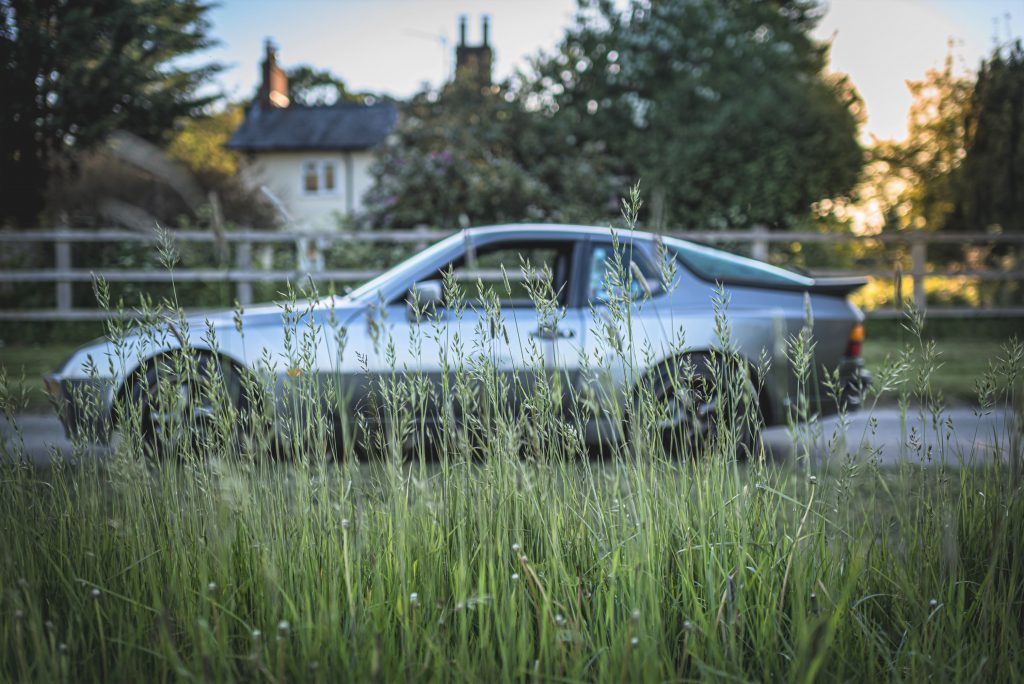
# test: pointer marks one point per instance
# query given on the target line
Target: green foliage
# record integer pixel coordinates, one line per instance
(722, 108)
(990, 188)
(310, 86)
(73, 72)
(470, 155)
(962, 164)
(200, 140)
(924, 164)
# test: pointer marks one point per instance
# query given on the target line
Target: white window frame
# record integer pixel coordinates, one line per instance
(321, 166)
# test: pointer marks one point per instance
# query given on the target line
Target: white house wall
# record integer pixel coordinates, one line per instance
(282, 174)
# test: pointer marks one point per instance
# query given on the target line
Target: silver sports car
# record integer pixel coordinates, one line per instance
(591, 305)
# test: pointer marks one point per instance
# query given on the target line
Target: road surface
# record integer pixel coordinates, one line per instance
(962, 433)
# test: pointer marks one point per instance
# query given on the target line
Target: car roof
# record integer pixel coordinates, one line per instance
(526, 229)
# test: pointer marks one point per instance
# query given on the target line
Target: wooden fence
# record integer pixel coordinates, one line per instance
(309, 246)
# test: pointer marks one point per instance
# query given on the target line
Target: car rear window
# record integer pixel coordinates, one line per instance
(715, 265)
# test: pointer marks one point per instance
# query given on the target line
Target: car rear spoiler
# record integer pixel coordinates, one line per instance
(837, 287)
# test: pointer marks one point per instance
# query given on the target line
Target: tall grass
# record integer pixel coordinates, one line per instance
(321, 543)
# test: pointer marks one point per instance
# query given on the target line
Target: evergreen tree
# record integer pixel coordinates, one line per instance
(990, 191)
(72, 72)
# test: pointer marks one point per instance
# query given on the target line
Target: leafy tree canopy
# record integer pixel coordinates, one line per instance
(723, 108)
(961, 166)
(923, 165)
(200, 141)
(72, 72)
(310, 86)
(471, 155)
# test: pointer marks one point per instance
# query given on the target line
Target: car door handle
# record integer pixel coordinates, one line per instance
(547, 333)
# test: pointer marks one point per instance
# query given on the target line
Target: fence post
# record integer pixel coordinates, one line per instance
(759, 242)
(62, 262)
(243, 263)
(918, 265)
(897, 286)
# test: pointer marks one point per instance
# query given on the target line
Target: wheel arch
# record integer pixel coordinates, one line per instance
(764, 397)
(126, 385)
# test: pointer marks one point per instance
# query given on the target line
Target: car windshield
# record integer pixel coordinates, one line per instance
(369, 289)
(715, 265)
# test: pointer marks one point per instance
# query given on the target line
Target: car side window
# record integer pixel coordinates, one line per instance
(629, 274)
(517, 259)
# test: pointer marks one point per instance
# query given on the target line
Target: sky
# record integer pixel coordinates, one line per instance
(397, 46)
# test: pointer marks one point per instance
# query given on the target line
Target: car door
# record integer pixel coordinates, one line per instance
(626, 312)
(489, 320)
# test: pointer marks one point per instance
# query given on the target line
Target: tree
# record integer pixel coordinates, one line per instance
(924, 165)
(476, 155)
(199, 142)
(723, 108)
(73, 72)
(314, 87)
(990, 183)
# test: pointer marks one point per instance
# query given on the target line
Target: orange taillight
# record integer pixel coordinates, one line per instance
(853, 347)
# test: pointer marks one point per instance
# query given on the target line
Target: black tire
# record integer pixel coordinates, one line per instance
(705, 403)
(181, 400)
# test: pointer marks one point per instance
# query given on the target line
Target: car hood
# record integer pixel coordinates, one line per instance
(102, 358)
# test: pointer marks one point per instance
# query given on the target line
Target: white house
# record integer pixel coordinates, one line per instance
(314, 160)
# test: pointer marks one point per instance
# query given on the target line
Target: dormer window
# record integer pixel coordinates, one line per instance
(319, 178)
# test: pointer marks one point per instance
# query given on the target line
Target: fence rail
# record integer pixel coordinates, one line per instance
(309, 247)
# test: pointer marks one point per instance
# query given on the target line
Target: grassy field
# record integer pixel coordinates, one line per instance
(961, 363)
(25, 366)
(504, 569)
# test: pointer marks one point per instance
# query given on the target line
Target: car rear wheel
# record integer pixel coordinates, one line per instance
(706, 405)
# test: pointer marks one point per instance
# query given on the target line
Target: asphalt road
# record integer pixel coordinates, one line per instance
(962, 433)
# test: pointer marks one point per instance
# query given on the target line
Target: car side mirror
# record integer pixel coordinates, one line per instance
(424, 299)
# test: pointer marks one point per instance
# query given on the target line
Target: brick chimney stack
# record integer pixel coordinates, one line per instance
(473, 62)
(274, 88)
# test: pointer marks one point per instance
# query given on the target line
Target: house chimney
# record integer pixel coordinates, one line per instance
(473, 62)
(274, 88)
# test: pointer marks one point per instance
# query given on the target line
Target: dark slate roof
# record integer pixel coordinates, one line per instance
(338, 127)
